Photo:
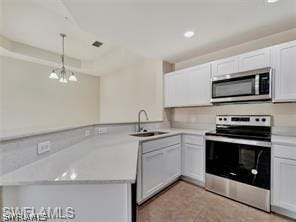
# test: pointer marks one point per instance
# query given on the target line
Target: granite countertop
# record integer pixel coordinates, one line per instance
(283, 140)
(110, 158)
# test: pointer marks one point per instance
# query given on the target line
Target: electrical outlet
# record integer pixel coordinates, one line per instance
(87, 132)
(101, 130)
(43, 147)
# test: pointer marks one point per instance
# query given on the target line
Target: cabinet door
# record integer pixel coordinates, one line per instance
(283, 61)
(181, 92)
(168, 90)
(152, 172)
(284, 183)
(225, 66)
(175, 89)
(199, 85)
(254, 60)
(172, 162)
(194, 161)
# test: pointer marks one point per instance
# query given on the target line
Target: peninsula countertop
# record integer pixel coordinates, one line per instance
(110, 158)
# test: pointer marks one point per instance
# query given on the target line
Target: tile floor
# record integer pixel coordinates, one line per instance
(184, 202)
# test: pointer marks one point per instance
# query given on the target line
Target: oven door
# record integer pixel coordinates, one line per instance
(245, 161)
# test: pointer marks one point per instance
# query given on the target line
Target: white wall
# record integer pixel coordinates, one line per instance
(136, 86)
(235, 50)
(31, 102)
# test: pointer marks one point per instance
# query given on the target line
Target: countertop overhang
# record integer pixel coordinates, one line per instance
(110, 158)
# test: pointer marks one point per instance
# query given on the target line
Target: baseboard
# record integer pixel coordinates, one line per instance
(159, 192)
(193, 181)
(284, 212)
(275, 209)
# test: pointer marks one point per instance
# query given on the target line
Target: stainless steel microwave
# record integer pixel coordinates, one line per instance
(253, 85)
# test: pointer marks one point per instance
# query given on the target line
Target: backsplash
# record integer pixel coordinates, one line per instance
(283, 115)
(16, 153)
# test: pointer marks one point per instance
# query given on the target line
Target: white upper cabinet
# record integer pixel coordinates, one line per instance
(283, 60)
(225, 66)
(192, 86)
(169, 90)
(243, 62)
(175, 90)
(188, 87)
(199, 85)
(254, 60)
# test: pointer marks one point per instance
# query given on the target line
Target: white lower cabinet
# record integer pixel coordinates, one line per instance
(284, 184)
(193, 162)
(164, 160)
(283, 190)
(153, 172)
(193, 157)
(172, 163)
(160, 165)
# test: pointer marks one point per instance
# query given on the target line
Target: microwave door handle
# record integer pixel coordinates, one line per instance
(257, 84)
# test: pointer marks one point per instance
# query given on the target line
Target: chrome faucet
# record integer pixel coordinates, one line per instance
(139, 119)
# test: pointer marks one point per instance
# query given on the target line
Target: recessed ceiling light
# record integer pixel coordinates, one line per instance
(189, 34)
(271, 1)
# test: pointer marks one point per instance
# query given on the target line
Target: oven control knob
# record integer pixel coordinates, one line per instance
(220, 119)
(254, 171)
(225, 119)
(263, 119)
(257, 119)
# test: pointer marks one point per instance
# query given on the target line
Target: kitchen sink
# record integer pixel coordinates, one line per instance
(148, 134)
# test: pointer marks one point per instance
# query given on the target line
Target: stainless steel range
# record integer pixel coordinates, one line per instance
(238, 159)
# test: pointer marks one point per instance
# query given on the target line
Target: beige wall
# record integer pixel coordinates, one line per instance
(31, 102)
(235, 50)
(284, 114)
(136, 86)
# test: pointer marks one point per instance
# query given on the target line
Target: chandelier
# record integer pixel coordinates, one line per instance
(62, 72)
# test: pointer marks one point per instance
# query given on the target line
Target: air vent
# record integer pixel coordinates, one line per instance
(97, 44)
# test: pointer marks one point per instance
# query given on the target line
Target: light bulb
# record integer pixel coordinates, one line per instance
(272, 1)
(73, 78)
(189, 34)
(53, 75)
(63, 80)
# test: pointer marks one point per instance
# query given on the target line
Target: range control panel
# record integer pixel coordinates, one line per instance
(244, 120)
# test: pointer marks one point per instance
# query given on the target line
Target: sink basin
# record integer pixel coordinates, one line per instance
(148, 134)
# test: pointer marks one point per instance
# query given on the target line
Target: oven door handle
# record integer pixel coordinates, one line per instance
(239, 141)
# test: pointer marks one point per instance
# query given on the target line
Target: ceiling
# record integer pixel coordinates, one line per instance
(150, 28)
(155, 28)
(39, 23)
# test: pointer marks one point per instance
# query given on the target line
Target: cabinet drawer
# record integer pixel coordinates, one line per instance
(160, 143)
(288, 152)
(197, 140)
